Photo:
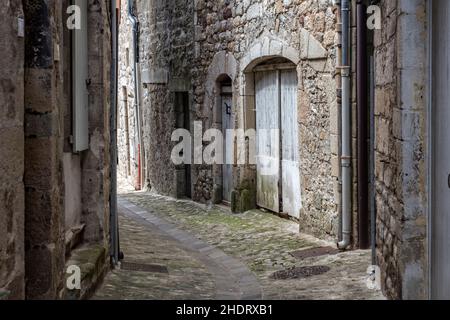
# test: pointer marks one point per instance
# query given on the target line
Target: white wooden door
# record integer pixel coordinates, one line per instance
(268, 147)
(440, 234)
(227, 168)
(290, 164)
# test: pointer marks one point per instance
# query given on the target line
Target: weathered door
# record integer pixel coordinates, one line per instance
(267, 87)
(227, 168)
(440, 234)
(290, 164)
(278, 165)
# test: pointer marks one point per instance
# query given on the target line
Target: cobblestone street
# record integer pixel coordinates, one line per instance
(212, 254)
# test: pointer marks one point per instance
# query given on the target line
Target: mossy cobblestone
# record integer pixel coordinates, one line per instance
(263, 242)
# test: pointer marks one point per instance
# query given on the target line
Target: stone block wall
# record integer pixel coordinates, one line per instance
(95, 162)
(165, 51)
(12, 251)
(34, 130)
(44, 214)
(166, 57)
(401, 148)
(127, 121)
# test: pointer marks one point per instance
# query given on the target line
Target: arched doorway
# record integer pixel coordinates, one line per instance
(277, 147)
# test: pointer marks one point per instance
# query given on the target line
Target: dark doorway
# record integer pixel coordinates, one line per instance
(226, 102)
(183, 115)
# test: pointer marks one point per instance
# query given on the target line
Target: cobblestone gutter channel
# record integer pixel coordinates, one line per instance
(228, 256)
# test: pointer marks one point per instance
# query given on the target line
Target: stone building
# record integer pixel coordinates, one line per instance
(216, 64)
(54, 150)
(411, 149)
(196, 56)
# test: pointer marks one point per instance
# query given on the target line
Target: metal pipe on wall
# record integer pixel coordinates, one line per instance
(346, 157)
(114, 221)
(362, 105)
(373, 216)
(338, 79)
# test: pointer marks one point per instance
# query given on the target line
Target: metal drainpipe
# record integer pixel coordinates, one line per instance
(114, 222)
(362, 102)
(339, 102)
(135, 23)
(346, 157)
(373, 217)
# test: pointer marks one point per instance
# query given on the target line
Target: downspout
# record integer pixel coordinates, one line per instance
(135, 25)
(346, 156)
(339, 105)
(114, 222)
(373, 215)
(362, 105)
(372, 192)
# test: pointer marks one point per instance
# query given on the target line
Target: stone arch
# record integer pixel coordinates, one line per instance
(265, 48)
(223, 63)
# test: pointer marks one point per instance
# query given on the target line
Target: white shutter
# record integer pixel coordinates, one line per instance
(79, 81)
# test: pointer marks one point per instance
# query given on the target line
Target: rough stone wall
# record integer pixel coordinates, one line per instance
(12, 267)
(126, 131)
(44, 214)
(400, 155)
(95, 180)
(166, 44)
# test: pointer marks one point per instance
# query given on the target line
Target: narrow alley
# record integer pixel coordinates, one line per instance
(178, 249)
(224, 150)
